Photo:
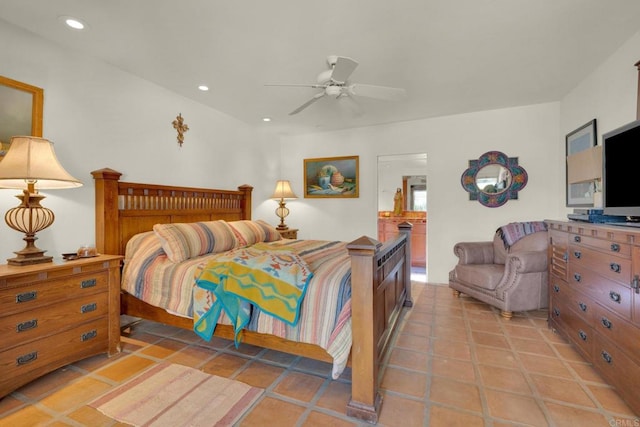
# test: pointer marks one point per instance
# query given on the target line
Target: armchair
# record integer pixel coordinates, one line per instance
(513, 279)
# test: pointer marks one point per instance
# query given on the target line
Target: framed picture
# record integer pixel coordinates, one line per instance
(331, 177)
(583, 138)
(20, 111)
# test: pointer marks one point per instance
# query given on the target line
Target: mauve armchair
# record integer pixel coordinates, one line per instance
(513, 279)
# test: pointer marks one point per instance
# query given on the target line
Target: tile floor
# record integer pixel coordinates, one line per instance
(454, 362)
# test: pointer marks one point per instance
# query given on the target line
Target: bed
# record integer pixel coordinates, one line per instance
(380, 273)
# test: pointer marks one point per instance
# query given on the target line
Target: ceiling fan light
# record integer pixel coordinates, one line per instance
(333, 91)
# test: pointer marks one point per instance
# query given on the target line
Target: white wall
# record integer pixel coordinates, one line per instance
(530, 133)
(99, 116)
(609, 94)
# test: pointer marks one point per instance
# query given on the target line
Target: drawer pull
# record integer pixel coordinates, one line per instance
(615, 267)
(577, 277)
(89, 335)
(565, 256)
(635, 283)
(583, 335)
(88, 308)
(577, 254)
(606, 323)
(90, 283)
(615, 247)
(583, 306)
(27, 358)
(607, 357)
(26, 296)
(615, 297)
(556, 312)
(576, 239)
(556, 288)
(25, 326)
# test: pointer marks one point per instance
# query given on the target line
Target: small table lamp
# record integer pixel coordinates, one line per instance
(31, 162)
(283, 191)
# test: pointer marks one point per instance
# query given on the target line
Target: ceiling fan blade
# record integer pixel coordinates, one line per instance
(315, 86)
(342, 69)
(351, 104)
(378, 92)
(306, 104)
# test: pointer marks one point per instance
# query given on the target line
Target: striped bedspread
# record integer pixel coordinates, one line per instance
(325, 315)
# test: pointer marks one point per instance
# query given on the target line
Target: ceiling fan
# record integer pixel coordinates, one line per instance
(335, 82)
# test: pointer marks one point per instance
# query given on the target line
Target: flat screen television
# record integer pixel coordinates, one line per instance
(620, 175)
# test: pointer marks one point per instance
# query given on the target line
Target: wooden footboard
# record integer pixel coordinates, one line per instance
(380, 273)
(380, 287)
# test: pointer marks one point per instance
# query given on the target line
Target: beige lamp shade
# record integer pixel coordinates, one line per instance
(283, 191)
(32, 159)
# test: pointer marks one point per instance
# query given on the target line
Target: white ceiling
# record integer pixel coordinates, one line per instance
(451, 56)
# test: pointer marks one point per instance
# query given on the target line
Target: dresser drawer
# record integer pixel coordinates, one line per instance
(574, 327)
(610, 294)
(23, 363)
(40, 294)
(622, 332)
(577, 301)
(41, 322)
(618, 368)
(603, 245)
(609, 265)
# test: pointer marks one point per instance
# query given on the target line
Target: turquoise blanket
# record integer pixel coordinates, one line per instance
(273, 280)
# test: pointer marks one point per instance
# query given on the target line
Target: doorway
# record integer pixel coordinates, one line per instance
(406, 173)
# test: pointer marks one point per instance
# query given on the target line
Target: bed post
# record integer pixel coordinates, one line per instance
(405, 228)
(246, 201)
(106, 194)
(365, 399)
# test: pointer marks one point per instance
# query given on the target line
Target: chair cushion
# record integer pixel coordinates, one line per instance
(486, 276)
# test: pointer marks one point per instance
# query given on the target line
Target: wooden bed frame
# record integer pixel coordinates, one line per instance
(380, 273)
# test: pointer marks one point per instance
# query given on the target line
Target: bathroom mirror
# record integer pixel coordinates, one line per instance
(405, 171)
(494, 178)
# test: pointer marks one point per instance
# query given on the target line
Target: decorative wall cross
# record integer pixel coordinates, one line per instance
(181, 127)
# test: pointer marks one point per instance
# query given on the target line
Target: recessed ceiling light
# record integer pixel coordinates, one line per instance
(73, 23)
(203, 88)
(266, 119)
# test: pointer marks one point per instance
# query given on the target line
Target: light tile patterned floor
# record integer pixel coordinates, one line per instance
(454, 362)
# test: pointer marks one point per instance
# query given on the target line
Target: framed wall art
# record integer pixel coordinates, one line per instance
(583, 138)
(20, 111)
(331, 177)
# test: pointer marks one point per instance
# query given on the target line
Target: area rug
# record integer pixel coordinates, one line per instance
(175, 395)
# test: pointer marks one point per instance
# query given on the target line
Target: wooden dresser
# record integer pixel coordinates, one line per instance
(388, 229)
(594, 274)
(54, 314)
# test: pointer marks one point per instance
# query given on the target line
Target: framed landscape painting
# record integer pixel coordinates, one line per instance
(583, 138)
(20, 111)
(331, 177)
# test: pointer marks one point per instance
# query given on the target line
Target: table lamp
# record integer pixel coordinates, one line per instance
(31, 162)
(283, 191)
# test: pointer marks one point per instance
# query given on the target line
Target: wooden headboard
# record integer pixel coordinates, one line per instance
(124, 209)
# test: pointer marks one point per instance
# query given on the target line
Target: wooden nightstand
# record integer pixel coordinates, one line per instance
(54, 314)
(290, 233)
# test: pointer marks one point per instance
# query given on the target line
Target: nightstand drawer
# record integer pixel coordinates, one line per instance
(39, 323)
(43, 293)
(21, 364)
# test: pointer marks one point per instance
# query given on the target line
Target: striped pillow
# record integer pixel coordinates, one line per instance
(182, 241)
(251, 232)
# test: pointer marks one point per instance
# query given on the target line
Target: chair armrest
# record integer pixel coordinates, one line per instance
(474, 252)
(527, 261)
